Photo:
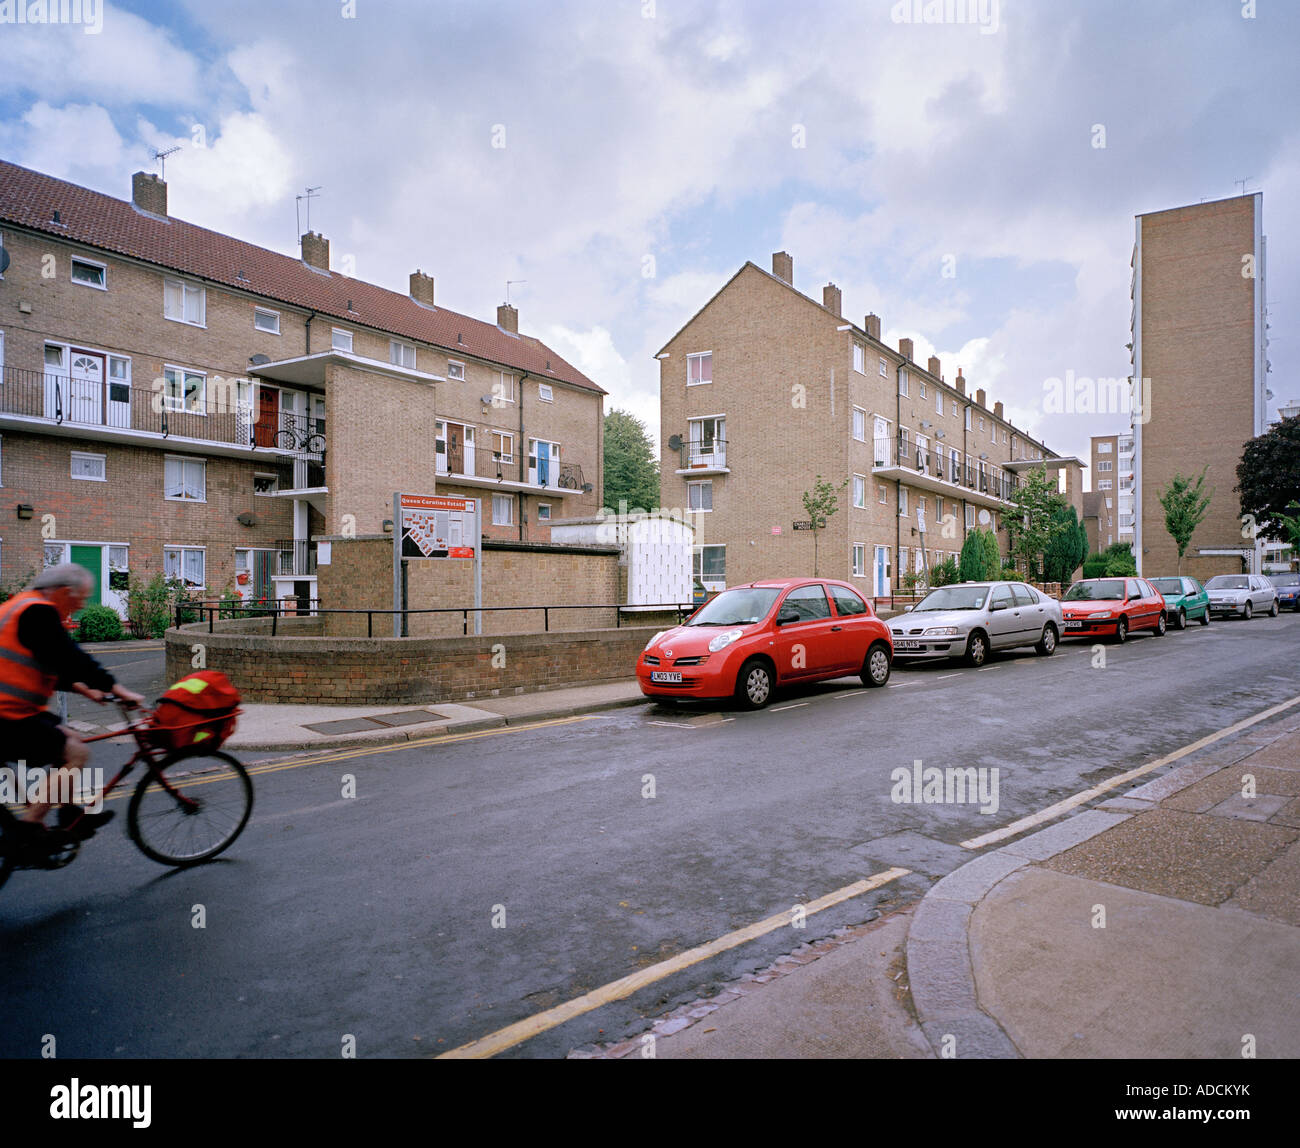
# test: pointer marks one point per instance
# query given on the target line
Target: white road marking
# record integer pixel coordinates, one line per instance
(778, 709)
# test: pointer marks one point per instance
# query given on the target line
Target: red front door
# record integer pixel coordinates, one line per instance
(268, 416)
(455, 448)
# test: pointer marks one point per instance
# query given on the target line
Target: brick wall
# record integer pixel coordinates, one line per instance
(405, 671)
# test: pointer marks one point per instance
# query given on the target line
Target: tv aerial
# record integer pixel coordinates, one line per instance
(160, 157)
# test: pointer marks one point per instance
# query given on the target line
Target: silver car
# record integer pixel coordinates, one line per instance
(973, 618)
(1243, 594)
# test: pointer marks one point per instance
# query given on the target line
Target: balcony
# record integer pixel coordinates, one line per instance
(701, 459)
(297, 558)
(562, 480)
(964, 477)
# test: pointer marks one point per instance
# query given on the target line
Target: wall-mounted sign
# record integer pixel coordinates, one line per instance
(436, 527)
(806, 525)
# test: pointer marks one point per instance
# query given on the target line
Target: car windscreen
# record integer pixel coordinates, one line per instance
(1228, 582)
(1168, 585)
(953, 598)
(739, 607)
(1285, 579)
(1100, 591)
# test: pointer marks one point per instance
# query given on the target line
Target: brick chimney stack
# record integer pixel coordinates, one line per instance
(508, 318)
(422, 288)
(783, 267)
(149, 193)
(933, 366)
(905, 349)
(316, 251)
(961, 382)
(871, 324)
(979, 397)
(997, 410)
(831, 299)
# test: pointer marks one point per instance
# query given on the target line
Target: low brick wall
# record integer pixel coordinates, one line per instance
(399, 671)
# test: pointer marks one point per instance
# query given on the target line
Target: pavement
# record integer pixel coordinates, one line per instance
(1160, 921)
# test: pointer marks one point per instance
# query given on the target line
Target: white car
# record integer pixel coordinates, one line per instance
(1243, 594)
(970, 619)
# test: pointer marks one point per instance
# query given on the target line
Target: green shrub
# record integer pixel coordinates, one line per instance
(1094, 566)
(1009, 574)
(1120, 566)
(151, 607)
(945, 574)
(98, 624)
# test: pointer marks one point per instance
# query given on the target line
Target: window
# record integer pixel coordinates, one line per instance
(968, 418)
(184, 302)
(981, 422)
(503, 509)
(503, 389)
(119, 383)
(882, 494)
(938, 401)
(903, 555)
(1104, 484)
(699, 369)
(185, 479)
(970, 517)
(859, 424)
(543, 512)
(859, 358)
(184, 390)
(1103, 448)
(902, 382)
(809, 601)
(545, 393)
(859, 571)
(265, 484)
(707, 442)
(340, 340)
(1105, 466)
(543, 462)
(709, 564)
(924, 394)
(400, 354)
(859, 491)
(503, 445)
(455, 370)
(902, 502)
(955, 412)
(699, 496)
(187, 563)
(90, 274)
(1110, 504)
(265, 320)
(938, 508)
(884, 368)
(89, 466)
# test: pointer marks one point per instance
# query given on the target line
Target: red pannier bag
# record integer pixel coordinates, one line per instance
(196, 714)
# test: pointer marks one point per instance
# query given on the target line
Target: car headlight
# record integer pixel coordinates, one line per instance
(722, 641)
(1101, 614)
(656, 638)
(941, 632)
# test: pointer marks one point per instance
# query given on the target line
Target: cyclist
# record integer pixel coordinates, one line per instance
(37, 656)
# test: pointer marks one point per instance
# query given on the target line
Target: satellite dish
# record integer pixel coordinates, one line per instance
(4, 260)
(258, 359)
(985, 517)
(675, 442)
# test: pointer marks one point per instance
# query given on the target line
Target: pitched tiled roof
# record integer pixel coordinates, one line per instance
(29, 199)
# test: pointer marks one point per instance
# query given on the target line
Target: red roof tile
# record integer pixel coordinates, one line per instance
(29, 199)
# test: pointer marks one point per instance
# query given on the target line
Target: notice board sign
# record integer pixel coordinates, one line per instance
(433, 526)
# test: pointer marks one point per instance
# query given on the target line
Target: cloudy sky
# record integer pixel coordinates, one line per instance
(620, 159)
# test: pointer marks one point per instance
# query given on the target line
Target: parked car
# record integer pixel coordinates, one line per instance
(751, 640)
(1243, 594)
(1185, 599)
(1113, 607)
(973, 618)
(1288, 590)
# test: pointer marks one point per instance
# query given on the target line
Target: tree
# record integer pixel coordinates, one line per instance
(819, 504)
(1032, 526)
(1063, 554)
(1119, 560)
(1268, 479)
(1184, 503)
(631, 469)
(992, 556)
(979, 560)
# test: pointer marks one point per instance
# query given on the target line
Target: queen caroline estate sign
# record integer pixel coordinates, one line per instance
(432, 526)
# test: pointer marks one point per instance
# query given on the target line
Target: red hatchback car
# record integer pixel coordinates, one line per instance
(1113, 607)
(750, 640)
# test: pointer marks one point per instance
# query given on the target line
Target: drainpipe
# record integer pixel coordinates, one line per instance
(523, 458)
(308, 330)
(897, 581)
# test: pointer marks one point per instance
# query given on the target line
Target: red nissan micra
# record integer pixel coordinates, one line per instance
(1112, 606)
(750, 640)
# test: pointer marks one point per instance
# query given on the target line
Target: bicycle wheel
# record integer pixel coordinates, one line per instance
(198, 810)
(316, 444)
(286, 440)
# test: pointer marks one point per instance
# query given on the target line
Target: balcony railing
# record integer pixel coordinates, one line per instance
(963, 470)
(710, 455)
(297, 558)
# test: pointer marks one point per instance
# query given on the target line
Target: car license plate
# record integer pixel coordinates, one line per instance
(666, 676)
(906, 645)
(1074, 625)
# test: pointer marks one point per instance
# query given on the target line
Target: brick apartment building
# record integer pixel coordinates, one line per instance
(1112, 478)
(1198, 288)
(176, 400)
(766, 388)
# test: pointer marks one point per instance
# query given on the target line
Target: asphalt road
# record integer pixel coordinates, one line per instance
(476, 881)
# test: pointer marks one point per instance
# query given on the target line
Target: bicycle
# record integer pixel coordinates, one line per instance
(289, 439)
(167, 825)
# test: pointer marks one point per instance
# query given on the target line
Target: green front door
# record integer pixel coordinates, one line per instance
(92, 558)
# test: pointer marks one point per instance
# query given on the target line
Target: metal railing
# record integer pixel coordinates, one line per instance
(297, 558)
(703, 455)
(213, 610)
(902, 450)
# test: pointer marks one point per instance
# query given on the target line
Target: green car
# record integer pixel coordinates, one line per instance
(1185, 598)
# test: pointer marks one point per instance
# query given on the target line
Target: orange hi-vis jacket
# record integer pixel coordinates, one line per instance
(25, 689)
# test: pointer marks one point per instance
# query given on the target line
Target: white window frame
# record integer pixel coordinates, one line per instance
(1104, 447)
(503, 510)
(266, 313)
(902, 502)
(693, 488)
(938, 401)
(102, 268)
(902, 383)
(554, 462)
(1104, 484)
(968, 418)
(176, 402)
(1105, 466)
(503, 390)
(185, 459)
(924, 393)
(399, 352)
(981, 422)
(698, 357)
(497, 440)
(545, 392)
(882, 494)
(188, 291)
(456, 370)
(340, 335)
(697, 565)
(181, 551)
(543, 512)
(859, 424)
(970, 516)
(859, 358)
(265, 493)
(884, 368)
(860, 491)
(86, 456)
(859, 560)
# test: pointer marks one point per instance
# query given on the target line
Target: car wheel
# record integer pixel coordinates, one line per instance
(1205, 618)
(754, 684)
(1121, 631)
(1180, 622)
(1246, 611)
(1047, 643)
(875, 670)
(1161, 626)
(977, 649)
(1272, 610)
